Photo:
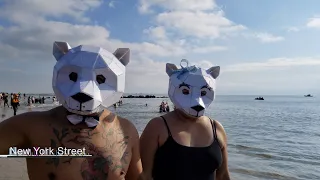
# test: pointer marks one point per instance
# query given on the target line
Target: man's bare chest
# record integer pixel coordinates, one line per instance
(109, 147)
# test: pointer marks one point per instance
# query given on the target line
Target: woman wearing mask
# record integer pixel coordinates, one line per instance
(184, 144)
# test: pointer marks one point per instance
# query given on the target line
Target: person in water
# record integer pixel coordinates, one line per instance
(83, 121)
(185, 144)
(5, 100)
(15, 103)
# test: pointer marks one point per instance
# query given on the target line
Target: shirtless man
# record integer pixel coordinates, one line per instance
(86, 79)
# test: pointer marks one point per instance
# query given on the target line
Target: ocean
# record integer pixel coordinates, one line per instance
(274, 139)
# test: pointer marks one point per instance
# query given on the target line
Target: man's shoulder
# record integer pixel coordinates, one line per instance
(126, 123)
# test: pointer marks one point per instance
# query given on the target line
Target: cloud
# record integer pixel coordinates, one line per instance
(186, 25)
(31, 32)
(156, 32)
(209, 49)
(111, 4)
(146, 5)
(293, 29)
(273, 63)
(268, 38)
(313, 23)
(25, 41)
(21, 10)
(198, 24)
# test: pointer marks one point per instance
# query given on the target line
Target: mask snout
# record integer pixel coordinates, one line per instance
(197, 108)
(81, 97)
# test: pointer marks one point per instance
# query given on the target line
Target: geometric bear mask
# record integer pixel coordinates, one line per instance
(192, 89)
(87, 79)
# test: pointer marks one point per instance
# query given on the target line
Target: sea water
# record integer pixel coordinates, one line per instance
(278, 138)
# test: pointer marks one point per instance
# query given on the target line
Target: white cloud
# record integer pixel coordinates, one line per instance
(199, 24)
(146, 5)
(268, 38)
(273, 63)
(209, 49)
(178, 31)
(156, 32)
(293, 29)
(111, 4)
(314, 22)
(21, 10)
(31, 35)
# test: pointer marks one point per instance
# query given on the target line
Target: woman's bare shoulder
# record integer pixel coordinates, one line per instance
(221, 133)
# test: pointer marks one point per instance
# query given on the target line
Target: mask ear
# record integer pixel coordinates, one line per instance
(60, 49)
(123, 55)
(170, 68)
(214, 71)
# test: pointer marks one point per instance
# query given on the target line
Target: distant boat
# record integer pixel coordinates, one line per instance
(308, 95)
(259, 98)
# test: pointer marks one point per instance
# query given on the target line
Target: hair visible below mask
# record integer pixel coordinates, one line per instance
(192, 89)
(87, 79)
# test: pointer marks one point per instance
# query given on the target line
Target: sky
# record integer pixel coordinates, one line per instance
(266, 47)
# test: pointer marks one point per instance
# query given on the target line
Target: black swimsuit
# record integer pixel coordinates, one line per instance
(174, 161)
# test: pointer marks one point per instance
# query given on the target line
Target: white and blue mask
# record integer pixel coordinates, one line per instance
(192, 89)
(87, 79)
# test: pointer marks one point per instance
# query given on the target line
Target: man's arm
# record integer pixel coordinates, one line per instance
(135, 167)
(223, 171)
(12, 133)
(149, 145)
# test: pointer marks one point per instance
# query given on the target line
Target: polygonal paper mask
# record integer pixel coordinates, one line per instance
(87, 78)
(192, 89)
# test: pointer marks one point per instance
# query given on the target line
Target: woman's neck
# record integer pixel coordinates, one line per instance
(183, 116)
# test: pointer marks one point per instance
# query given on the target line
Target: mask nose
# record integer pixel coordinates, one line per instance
(198, 108)
(81, 97)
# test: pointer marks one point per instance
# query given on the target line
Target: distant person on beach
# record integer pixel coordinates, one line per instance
(83, 120)
(15, 103)
(29, 101)
(5, 100)
(184, 144)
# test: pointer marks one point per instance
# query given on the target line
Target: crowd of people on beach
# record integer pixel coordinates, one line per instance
(15, 100)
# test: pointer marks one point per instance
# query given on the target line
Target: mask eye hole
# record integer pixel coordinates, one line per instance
(100, 79)
(73, 76)
(203, 93)
(185, 91)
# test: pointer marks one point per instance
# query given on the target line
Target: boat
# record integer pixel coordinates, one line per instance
(259, 98)
(308, 95)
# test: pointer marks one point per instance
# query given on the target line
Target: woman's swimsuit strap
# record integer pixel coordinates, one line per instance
(169, 132)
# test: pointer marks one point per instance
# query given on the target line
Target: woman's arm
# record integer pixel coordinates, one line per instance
(223, 172)
(148, 146)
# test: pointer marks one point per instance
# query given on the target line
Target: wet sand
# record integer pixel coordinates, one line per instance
(12, 168)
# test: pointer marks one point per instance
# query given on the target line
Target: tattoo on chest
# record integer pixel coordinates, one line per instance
(111, 156)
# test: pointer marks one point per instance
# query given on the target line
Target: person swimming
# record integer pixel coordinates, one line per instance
(185, 144)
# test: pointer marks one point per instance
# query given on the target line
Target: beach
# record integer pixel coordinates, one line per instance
(277, 138)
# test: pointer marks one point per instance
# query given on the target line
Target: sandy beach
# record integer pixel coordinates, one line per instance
(13, 169)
